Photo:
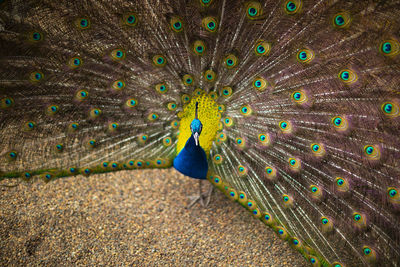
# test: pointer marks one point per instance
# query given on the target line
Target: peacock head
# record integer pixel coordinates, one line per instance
(196, 126)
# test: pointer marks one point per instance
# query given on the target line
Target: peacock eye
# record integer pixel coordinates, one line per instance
(285, 126)
(176, 24)
(226, 91)
(187, 79)
(253, 10)
(206, 2)
(118, 54)
(231, 61)
(199, 47)
(372, 152)
(36, 76)
(260, 84)
(83, 23)
(246, 110)
(305, 56)
(36, 36)
(340, 123)
(210, 24)
(292, 7)
(159, 61)
(348, 76)
(52, 110)
(6, 102)
(390, 48)
(228, 122)
(325, 221)
(75, 62)
(341, 20)
(390, 109)
(210, 75)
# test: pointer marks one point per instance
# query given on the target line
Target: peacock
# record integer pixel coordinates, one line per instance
(289, 107)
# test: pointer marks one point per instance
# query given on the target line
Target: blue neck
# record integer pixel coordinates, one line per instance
(192, 160)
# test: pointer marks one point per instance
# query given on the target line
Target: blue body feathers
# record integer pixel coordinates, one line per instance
(192, 160)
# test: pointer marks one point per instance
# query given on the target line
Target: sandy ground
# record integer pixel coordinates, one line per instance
(131, 218)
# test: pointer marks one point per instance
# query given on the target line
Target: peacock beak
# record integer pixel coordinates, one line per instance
(196, 138)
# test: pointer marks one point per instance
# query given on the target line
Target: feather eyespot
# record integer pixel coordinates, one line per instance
(260, 84)
(95, 113)
(240, 142)
(390, 48)
(185, 98)
(36, 76)
(159, 61)
(187, 80)
(305, 56)
(285, 127)
(210, 75)
(113, 127)
(267, 218)
(348, 76)
(316, 192)
(210, 24)
(293, 7)
(270, 172)
(176, 24)
(91, 143)
(262, 48)
(199, 47)
(242, 170)
(175, 124)
(253, 10)
(75, 62)
(118, 85)
(161, 88)
(341, 20)
(281, 232)
(12, 155)
(59, 148)
(226, 91)
(52, 110)
(369, 253)
(231, 61)
(228, 122)
(167, 141)
(130, 19)
(294, 164)
(218, 159)
(152, 116)
(393, 195)
(340, 123)
(318, 149)
(29, 126)
(206, 3)
(264, 139)
(390, 109)
(81, 95)
(172, 106)
(299, 97)
(35, 36)
(372, 152)
(131, 103)
(6, 102)
(82, 23)
(246, 110)
(359, 220)
(118, 54)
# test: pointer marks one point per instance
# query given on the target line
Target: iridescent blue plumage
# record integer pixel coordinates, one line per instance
(192, 160)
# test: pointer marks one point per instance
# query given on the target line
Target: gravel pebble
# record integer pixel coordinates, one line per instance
(131, 218)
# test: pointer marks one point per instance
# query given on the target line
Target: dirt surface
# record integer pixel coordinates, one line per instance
(131, 218)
